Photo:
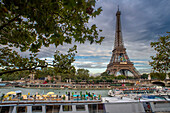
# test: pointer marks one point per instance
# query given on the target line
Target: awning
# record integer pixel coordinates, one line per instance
(50, 93)
(11, 93)
(18, 91)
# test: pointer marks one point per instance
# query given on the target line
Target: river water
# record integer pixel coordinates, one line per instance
(42, 91)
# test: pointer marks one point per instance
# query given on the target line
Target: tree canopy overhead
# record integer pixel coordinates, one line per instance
(31, 24)
(161, 62)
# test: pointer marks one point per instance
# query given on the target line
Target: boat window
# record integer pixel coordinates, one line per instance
(67, 107)
(100, 108)
(161, 105)
(53, 109)
(92, 108)
(49, 109)
(80, 107)
(96, 108)
(147, 107)
(36, 109)
(22, 109)
(4, 109)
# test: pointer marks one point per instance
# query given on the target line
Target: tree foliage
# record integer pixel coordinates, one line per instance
(121, 77)
(63, 62)
(15, 76)
(104, 74)
(45, 72)
(82, 74)
(161, 62)
(159, 76)
(32, 24)
(144, 76)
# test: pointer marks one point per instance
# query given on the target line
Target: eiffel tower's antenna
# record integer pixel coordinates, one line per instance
(118, 32)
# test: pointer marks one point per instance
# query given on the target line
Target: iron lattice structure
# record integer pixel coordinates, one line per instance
(120, 61)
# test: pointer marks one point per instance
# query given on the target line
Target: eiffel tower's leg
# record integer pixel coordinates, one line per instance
(135, 72)
(121, 72)
(124, 72)
(114, 72)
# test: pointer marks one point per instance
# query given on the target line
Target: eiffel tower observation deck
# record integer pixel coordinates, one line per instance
(120, 61)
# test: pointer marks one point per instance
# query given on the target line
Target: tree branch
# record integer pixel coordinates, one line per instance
(12, 71)
(9, 40)
(1, 27)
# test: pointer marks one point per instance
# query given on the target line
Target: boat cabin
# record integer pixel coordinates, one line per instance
(54, 108)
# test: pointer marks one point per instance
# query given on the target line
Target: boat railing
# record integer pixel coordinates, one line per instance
(51, 99)
(48, 101)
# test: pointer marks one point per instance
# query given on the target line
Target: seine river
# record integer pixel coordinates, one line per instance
(41, 91)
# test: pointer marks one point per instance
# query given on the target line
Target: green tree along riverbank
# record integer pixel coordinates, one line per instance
(79, 76)
(161, 62)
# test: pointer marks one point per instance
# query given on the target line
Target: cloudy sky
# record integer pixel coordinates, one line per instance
(143, 21)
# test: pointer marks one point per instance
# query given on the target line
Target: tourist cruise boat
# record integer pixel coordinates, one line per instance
(81, 103)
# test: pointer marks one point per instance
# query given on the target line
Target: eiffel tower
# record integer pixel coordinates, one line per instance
(120, 61)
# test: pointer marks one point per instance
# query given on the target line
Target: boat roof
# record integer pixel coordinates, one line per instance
(50, 102)
(127, 99)
(19, 91)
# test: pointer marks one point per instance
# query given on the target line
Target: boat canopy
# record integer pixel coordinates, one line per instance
(14, 92)
(18, 91)
(50, 93)
(11, 93)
